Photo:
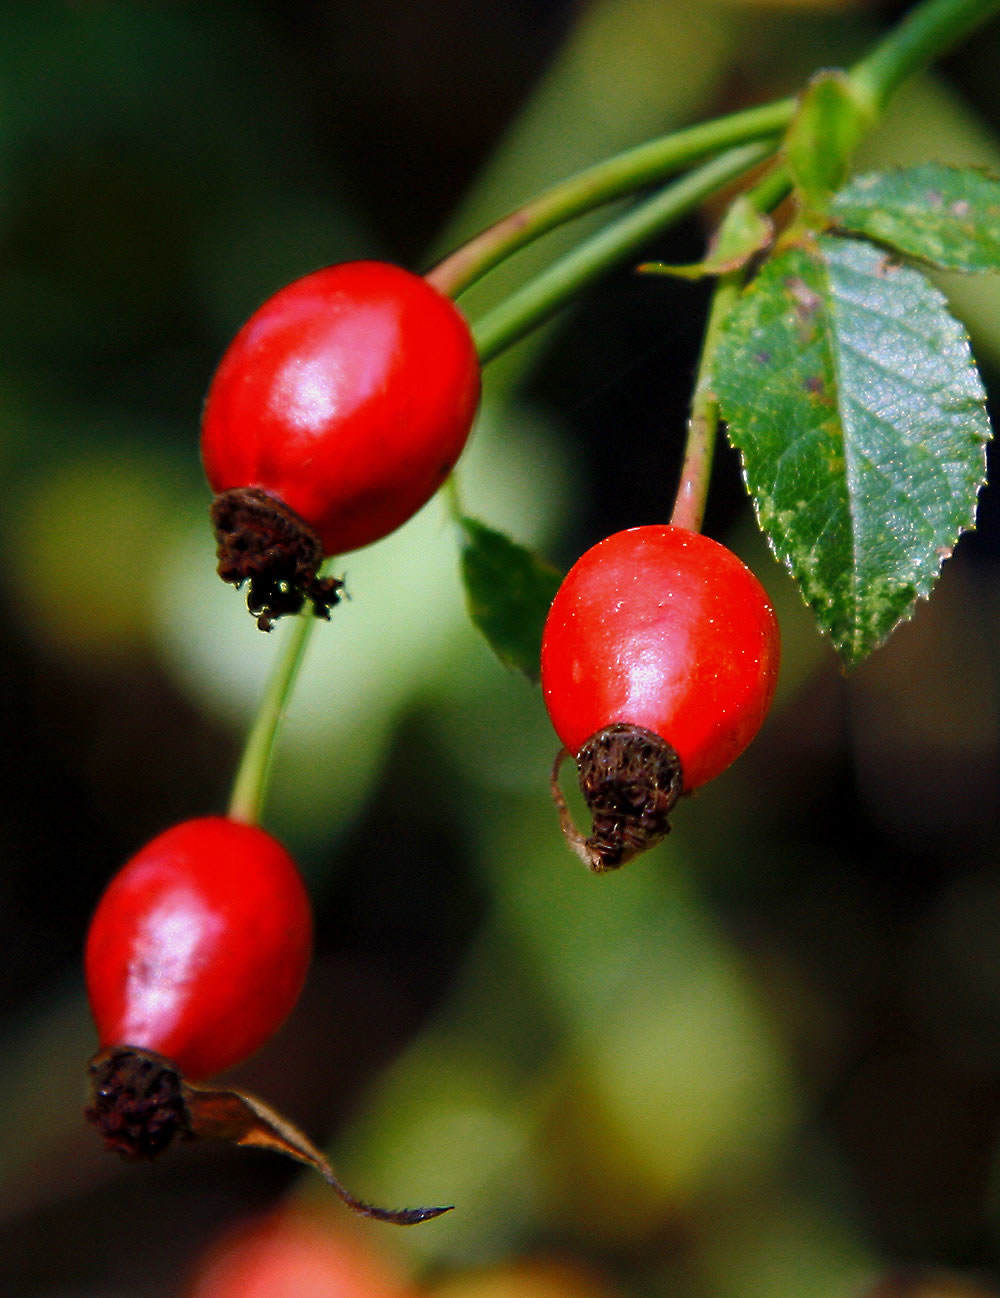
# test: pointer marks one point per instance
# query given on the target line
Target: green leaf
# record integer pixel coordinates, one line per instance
(830, 120)
(947, 216)
(508, 590)
(853, 397)
(743, 233)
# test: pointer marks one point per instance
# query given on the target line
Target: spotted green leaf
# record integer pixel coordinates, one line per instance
(851, 393)
(946, 216)
(508, 590)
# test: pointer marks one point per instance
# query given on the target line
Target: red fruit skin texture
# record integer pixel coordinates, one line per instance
(199, 946)
(666, 629)
(349, 395)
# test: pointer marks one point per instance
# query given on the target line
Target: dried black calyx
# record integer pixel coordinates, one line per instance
(630, 779)
(141, 1102)
(263, 542)
(138, 1104)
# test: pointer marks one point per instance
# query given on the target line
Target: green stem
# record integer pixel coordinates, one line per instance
(925, 33)
(922, 35)
(250, 785)
(771, 189)
(552, 289)
(703, 424)
(452, 498)
(637, 168)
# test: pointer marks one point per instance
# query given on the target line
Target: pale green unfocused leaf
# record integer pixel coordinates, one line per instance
(508, 591)
(947, 216)
(853, 397)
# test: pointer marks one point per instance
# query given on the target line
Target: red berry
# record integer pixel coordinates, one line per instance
(292, 1253)
(196, 953)
(200, 945)
(337, 411)
(661, 650)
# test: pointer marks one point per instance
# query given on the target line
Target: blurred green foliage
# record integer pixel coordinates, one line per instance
(760, 1062)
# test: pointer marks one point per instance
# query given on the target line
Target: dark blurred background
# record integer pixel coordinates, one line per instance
(763, 1061)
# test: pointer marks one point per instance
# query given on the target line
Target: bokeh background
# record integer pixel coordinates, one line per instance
(762, 1061)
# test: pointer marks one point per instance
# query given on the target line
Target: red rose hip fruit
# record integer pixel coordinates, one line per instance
(659, 660)
(200, 945)
(338, 409)
(195, 955)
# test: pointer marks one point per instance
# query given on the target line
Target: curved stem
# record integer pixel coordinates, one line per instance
(452, 498)
(635, 169)
(925, 33)
(553, 288)
(521, 313)
(703, 423)
(250, 785)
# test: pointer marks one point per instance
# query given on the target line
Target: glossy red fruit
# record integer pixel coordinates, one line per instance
(195, 955)
(659, 661)
(337, 411)
(199, 946)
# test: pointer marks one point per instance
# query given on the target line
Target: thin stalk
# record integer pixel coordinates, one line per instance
(920, 36)
(452, 498)
(703, 423)
(546, 293)
(771, 189)
(638, 168)
(250, 784)
(924, 34)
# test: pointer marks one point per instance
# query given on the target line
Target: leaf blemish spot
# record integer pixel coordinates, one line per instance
(807, 303)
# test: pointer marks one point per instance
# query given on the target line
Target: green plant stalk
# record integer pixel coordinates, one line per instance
(522, 312)
(253, 773)
(920, 37)
(637, 168)
(703, 423)
(542, 296)
(691, 496)
(452, 498)
(924, 34)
